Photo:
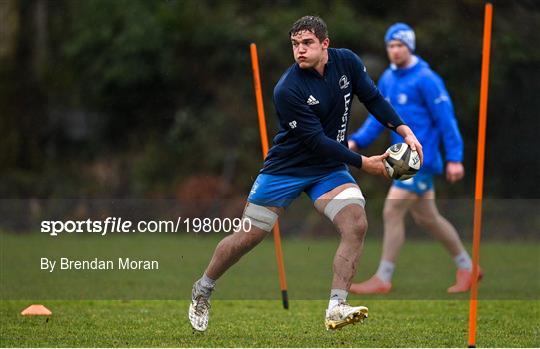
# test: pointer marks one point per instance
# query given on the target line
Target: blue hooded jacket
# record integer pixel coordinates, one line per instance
(419, 96)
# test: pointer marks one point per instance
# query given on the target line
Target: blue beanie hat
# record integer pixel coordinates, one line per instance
(403, 33)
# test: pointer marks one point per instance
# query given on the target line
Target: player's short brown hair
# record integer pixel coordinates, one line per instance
(312, 24)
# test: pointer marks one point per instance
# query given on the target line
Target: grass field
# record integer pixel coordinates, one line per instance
(150, 306)
(262, 323)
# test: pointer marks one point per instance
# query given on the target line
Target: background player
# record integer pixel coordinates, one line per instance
(418, 94)
(309, 154)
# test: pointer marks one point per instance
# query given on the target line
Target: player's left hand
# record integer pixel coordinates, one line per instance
(409, 138)
(454, 171)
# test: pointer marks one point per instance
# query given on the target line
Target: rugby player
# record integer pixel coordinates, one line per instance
(418, 94)
(310, 154)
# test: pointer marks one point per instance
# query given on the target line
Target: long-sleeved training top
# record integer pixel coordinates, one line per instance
(313, 112)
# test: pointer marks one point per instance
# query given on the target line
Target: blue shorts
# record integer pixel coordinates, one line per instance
(281, 190)
(419, 184)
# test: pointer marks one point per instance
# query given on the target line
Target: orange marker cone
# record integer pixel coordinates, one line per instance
(36, 309)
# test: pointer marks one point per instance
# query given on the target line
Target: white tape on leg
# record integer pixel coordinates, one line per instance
(349, 196)
(260, 216)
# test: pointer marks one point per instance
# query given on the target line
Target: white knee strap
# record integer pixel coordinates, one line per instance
(349, 196)
(260, 216)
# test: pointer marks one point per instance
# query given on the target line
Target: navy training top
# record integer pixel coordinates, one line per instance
(313, 112)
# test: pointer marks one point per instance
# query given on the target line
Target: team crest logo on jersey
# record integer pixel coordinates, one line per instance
(402, 98)
(343, 82)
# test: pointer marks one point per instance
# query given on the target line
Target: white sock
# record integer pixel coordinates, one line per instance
(463, 261)
(337, 295)
(207, 282)
(385, 271)
(204, 286)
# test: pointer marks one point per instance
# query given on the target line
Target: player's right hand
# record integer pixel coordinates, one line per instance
(374, 165)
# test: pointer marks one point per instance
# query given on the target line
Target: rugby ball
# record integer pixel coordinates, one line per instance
(402, 163)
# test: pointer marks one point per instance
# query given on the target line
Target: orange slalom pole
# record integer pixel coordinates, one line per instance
(479, 187)
(264, 144)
